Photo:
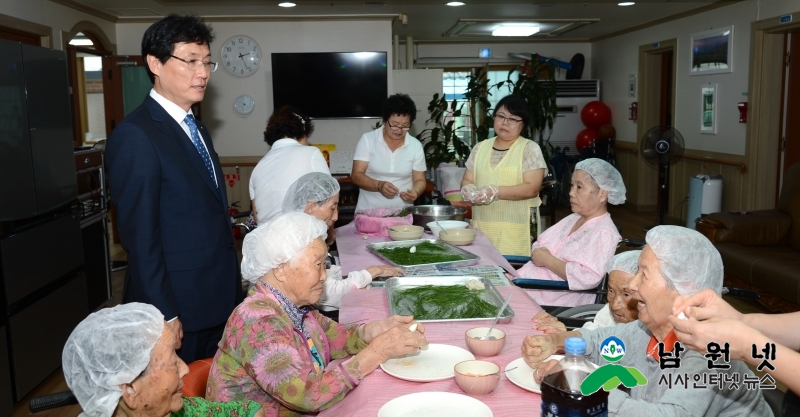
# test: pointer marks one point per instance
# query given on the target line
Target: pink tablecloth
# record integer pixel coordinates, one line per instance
(354, 256)
(378, 388)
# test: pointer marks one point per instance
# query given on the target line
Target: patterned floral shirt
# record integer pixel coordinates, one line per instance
(199, 407)
(261, 357)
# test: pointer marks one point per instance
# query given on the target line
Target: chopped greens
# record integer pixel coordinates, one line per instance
(443, 302)
(426, 253)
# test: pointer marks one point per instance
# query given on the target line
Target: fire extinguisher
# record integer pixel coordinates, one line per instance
(232, 211)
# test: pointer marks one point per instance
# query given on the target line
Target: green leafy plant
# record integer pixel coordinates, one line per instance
(442, 143)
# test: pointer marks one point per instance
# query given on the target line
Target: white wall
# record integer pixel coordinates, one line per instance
(56, 16)
(242, 136)
(559, 51)
(616, 58)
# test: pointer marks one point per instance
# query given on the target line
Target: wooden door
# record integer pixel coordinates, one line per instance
(791, 138)
(118, 98)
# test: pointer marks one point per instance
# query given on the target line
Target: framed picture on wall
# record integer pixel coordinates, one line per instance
(712, 51)
(708, 109)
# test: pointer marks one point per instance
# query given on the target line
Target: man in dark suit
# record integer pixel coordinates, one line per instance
(167, 185)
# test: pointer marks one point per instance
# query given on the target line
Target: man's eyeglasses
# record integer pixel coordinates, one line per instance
(506, 120)
(393, 127)
(195, 64)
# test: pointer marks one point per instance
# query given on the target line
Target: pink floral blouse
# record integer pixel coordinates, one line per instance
(261, 357)
(586, 252)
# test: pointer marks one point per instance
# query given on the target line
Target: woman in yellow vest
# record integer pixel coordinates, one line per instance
(503, 178)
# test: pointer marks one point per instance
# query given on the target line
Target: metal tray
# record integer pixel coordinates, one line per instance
(469, 257)
(490, 294)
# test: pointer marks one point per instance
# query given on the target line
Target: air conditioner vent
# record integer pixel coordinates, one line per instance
(578, 88)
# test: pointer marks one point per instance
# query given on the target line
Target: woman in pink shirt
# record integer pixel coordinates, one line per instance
(577, 248)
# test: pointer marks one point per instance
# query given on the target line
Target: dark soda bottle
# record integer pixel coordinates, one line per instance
(561, 386)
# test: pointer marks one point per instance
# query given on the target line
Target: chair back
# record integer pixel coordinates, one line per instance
(194, 383)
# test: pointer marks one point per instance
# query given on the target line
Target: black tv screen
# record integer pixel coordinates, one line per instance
(329, 85)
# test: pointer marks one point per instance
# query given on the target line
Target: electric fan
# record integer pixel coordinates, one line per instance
(661, 147)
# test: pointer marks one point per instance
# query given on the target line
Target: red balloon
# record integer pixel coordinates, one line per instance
(595, 114)
(585, 138)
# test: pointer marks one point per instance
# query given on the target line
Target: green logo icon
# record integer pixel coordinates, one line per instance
(611, 375)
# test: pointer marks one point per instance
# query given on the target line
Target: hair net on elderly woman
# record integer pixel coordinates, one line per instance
(315, 187)
(607, 178)
(627, 262)
(277, 242)
(109, 348)
(688, 259)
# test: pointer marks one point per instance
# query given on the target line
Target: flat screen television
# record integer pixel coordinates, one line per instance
(331, 85)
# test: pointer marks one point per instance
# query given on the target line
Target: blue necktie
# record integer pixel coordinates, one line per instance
(189, 120)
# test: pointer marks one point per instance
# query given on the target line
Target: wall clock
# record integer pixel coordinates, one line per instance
(241, 56)
(244, 104)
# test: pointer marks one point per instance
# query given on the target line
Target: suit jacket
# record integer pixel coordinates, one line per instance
(172, 220)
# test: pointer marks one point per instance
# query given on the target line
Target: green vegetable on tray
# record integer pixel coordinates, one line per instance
(426, 253)
(443, 302)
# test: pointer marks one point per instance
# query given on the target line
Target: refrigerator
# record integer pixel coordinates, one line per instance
(43, 293)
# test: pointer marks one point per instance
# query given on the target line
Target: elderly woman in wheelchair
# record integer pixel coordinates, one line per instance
(577, 248)
(621, 306)
(675, 262)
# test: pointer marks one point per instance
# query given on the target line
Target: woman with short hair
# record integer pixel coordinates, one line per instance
(389, 163)
(288, 159)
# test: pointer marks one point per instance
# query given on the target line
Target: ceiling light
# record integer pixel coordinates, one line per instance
(516, 29)
(456, 3)
(626, 3)
(287, 4)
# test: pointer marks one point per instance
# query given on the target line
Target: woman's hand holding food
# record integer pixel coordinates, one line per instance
(387, 189)
(376, 328)
(409, 196)
(380, 271)
(398, 341)
(696, 335)
(486, 194)
(535, 349)
(705, 305)
(468, 192)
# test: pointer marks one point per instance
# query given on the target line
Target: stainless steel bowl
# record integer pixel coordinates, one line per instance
(426, 214)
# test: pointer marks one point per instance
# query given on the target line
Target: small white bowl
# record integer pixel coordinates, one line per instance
(447, 224)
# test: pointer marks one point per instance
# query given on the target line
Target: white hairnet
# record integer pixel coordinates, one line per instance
(627, 262)
(109, 348)
(688, 259)
(314, 187)
(278, 241)
(607, 178)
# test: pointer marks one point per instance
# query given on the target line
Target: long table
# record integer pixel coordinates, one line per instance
(370, 304)
(354, 256)
(378, 388)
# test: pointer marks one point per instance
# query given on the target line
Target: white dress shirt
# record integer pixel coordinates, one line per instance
(384, 165)
(177, 113)
(287, 161)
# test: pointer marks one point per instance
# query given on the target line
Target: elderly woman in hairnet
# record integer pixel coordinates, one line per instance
(277, 351)
(621, 306)
(121, 361)
(317, 194)
(577, 248)
(676, 261)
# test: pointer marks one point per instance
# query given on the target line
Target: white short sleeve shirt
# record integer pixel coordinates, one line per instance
(287, 161)
(385, 165)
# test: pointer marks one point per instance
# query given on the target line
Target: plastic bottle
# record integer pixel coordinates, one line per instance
(561, 386)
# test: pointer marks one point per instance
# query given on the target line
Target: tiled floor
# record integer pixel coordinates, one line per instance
(631, 222)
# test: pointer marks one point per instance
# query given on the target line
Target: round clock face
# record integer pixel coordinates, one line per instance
(241, 56)
(244, 104)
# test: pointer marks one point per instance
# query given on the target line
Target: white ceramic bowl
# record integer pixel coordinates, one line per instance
(406, 232)
(447, 224)
(458, 237)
